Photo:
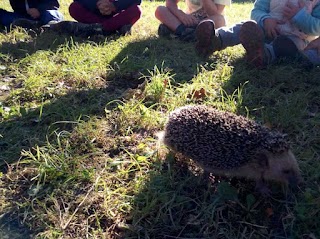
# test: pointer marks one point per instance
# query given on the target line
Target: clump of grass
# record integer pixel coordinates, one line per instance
(156, 87)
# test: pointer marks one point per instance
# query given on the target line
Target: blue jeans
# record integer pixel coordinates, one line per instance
(6, 18)
(229, 36)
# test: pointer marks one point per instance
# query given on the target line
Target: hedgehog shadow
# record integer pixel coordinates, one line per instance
(180, 200)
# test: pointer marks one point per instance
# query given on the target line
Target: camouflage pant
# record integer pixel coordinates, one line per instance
(200, 14)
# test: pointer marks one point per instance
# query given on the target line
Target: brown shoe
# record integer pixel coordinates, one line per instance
(125, 30)
(78, 28)
(208, 40)
(252, 38)
(283, 46)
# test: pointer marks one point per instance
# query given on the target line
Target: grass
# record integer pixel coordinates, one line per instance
(79, 154)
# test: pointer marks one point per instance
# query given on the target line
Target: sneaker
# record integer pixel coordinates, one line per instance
(78, 28)
(188, 35)
(26, 23)
(283, 46)
(47, 26)
(252, 38)
(208, 40)
(164, 31)
(125, 30)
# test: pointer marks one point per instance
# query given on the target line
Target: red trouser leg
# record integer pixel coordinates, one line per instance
(125, 17)
(81, 14)
(110, 23)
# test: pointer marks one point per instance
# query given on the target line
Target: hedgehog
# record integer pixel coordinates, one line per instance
(231, 145)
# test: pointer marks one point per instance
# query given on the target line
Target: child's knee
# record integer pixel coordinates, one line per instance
(312, 56)
(134, 13)
(160, 12)
(137, 11)
(219, 20)
(74, 9)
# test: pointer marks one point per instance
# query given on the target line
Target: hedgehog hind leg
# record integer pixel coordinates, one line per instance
(262, 188)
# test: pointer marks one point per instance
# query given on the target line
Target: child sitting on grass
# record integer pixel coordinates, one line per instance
(31, 14)
(280, 28)
(101, 17)
(182, 24)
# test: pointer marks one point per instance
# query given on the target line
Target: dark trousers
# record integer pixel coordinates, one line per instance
(110, 22)
(6, 18)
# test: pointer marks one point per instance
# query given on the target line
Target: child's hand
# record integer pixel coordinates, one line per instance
(105, 7)
(187, 20)
(270, 26)
(34, 13)
(315, 44)
(290, 10)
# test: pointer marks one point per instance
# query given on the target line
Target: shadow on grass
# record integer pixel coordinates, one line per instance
(284, 96)
(179, 202)
(32, 41)
(32, 128)
(11, 228)
(169, 55)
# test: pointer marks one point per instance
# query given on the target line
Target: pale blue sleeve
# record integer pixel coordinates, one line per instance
(260, 11)
(308, 23)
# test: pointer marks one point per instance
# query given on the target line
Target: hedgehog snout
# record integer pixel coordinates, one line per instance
(283, 167)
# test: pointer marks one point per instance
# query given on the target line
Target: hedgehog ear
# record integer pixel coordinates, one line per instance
(262, 160)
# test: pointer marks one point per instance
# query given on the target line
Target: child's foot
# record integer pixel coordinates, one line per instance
(2, 28)
(78, 28)
(125, 30)
(283, 46)
(26, 23)
(208, 41)
(187, 35)
(164, 31)
(252, 38)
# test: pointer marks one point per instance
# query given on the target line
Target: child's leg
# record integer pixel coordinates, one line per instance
(219, 20)
(229, 36)
(50, 15)
(83, 15)
(210, 39)
(163, 14)
(128, 16)
(6, 18)
(284, 46)
(312, 56)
